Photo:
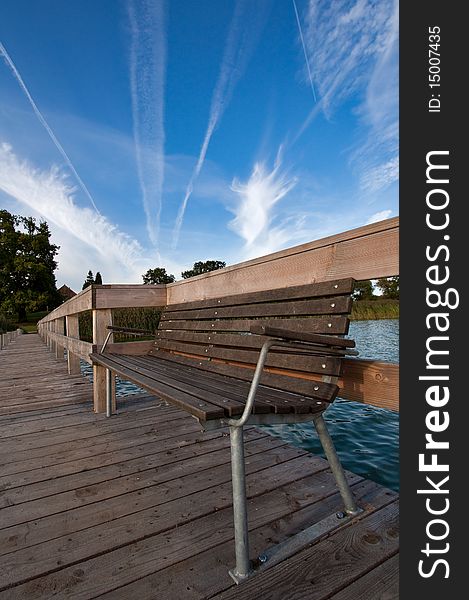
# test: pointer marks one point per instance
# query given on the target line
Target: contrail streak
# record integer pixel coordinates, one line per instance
(147, 77)
(242, 38)
(304, 49)
(44, 123)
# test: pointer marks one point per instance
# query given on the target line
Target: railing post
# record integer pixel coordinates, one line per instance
(49, 339)
(101, 319)
(73, 331)
(53, 344)
(59, 328)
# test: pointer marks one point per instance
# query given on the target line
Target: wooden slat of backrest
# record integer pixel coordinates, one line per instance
(219, 329)
(333, 324)
(312, 290)
(316, 306)
(323, 365)
(216, 338)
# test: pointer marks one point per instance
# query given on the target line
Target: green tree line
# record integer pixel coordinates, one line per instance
(27, 265)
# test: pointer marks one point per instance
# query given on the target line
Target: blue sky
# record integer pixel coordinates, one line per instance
(158, 133)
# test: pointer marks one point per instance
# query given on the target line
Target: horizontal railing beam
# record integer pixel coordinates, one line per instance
(129, 296)
(369, 252)
(371, 382)
(79, 303)
(108, 297)
(77, 347)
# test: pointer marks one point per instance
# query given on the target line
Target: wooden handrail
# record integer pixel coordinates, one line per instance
(369, 252)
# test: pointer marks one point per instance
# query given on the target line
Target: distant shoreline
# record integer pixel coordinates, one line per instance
(364, 310)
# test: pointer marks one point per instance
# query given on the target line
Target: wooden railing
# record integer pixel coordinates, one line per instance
(369, 252)
(8, 336)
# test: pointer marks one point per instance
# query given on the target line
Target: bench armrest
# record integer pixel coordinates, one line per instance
(130, 330)
(331, 341)
(112, 329)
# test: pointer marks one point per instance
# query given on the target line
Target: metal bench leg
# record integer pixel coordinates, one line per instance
(243, 566)
(336, 466)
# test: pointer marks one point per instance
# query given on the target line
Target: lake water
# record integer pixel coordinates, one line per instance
(366, 438)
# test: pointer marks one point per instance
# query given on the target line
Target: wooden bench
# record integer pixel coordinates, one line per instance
(253, 358)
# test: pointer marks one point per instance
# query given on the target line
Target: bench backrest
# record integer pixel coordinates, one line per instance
(213, 334)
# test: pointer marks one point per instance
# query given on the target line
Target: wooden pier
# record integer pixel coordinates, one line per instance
(139, 505)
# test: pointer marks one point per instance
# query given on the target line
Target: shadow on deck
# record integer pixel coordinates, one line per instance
(139, 505)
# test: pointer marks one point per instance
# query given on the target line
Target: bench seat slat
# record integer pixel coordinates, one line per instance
(277, 401)
(318, 306)
(173, 387)
(326, 392)
(195, 406)
(194, 385)
(311, 290)
(267, 400)
(230, 387)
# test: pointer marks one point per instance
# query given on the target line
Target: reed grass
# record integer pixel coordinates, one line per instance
(136, 318)
(375, 309)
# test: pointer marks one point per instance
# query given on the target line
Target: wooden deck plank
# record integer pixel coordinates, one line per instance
(330, 565)
(50, 487)
(84, 431)
(139, 505)
(128, 495)
(382, 583)
(178, 580)
(136, 432)
(160, 516)
(62, 453)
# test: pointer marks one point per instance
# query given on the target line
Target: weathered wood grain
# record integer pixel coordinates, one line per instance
(367, 252)
(124, 296)
(79, 303)
(312, 504)
(139, 505)
(313, 573)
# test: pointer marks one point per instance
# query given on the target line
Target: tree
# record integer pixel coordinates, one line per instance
(27, 265)
(88, 281)
(389, 287)
(363, 290)
(203, 267)
(98, 279)
(158, 275)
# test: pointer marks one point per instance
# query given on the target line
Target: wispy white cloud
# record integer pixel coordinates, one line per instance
(352, 50)
(378, 156)
(344, 39)
(255, 218)
(379, 216)
(48, 194)
(147, 84)
(42, 120)
(246, 25)
(91, 241)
